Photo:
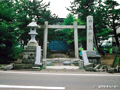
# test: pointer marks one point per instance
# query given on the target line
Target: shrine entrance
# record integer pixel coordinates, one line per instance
(59, 60)
(74, 26)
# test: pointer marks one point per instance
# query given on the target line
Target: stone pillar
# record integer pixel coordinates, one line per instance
(90, 33)
(76, 40)
(45, 40)
(38, 56)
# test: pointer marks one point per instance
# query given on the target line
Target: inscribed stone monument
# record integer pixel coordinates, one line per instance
(90, 33)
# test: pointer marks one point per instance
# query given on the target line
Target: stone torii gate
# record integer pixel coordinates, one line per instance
(75, 26)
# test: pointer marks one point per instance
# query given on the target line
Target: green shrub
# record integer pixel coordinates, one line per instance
(9, 55)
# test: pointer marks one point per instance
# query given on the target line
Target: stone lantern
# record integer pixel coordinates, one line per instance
(33, 26)
(32, 53)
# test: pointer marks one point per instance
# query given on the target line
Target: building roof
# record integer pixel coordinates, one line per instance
(61, 20)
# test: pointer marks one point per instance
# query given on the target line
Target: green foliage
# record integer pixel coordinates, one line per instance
(80, 22)
(69, 20)
(29, 9)
(83, 8)
(41, 67)
(113, 16)
(65, 34)
(8, 32)
(108, 49)
(100, 11)
(68, 33)
(106, 16)
(15, 15)
(117, 61)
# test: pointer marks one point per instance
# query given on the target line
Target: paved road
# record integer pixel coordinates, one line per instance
(40, 80)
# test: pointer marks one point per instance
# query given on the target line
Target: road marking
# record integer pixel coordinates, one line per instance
(59, 74)
(31, 87)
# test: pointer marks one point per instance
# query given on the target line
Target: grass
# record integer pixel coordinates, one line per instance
(41, 68)
(3, 65)
(117, 61)
(52, 64)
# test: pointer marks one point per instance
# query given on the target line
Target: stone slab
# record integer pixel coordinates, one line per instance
(49, 63)
(90, 69)
(38, 56)
(85, 59)
(23, 66)
(8, 67)
(32, 44)
(62, 67)
(67, 63)
(91, 53)
(97, 66)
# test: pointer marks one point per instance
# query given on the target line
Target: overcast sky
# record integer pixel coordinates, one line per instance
(58, 7)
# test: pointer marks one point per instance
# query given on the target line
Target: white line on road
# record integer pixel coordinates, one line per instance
(31, 87)
(60, 74)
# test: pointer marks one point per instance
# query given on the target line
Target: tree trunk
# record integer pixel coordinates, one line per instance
(96, 43)
(116, 38)
(115, 34)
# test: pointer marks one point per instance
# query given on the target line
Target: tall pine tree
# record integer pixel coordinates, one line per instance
(8, 32)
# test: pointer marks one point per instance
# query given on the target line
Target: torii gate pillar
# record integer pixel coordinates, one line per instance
(76, 41)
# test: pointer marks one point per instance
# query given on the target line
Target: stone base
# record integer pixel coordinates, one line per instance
(89, 69)
(32, 44)
(93, 57)
(28, 61)
(23, 66)
(80, 62)
(91, 53)
(89, 65)
(29, 55)
(44, 63)
(8, 67)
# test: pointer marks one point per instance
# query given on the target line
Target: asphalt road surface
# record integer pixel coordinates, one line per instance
(36, 80)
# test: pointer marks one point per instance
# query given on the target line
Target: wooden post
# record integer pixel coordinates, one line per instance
(45, 40)
(76, 40)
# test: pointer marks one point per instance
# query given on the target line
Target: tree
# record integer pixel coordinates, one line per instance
(23, 19)
(113, 22)
(113, 16)
(15, 15)
(82, 8)
(101, 13)
(92, 7)
(28, 10)
(8, 32)
(68, 34)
